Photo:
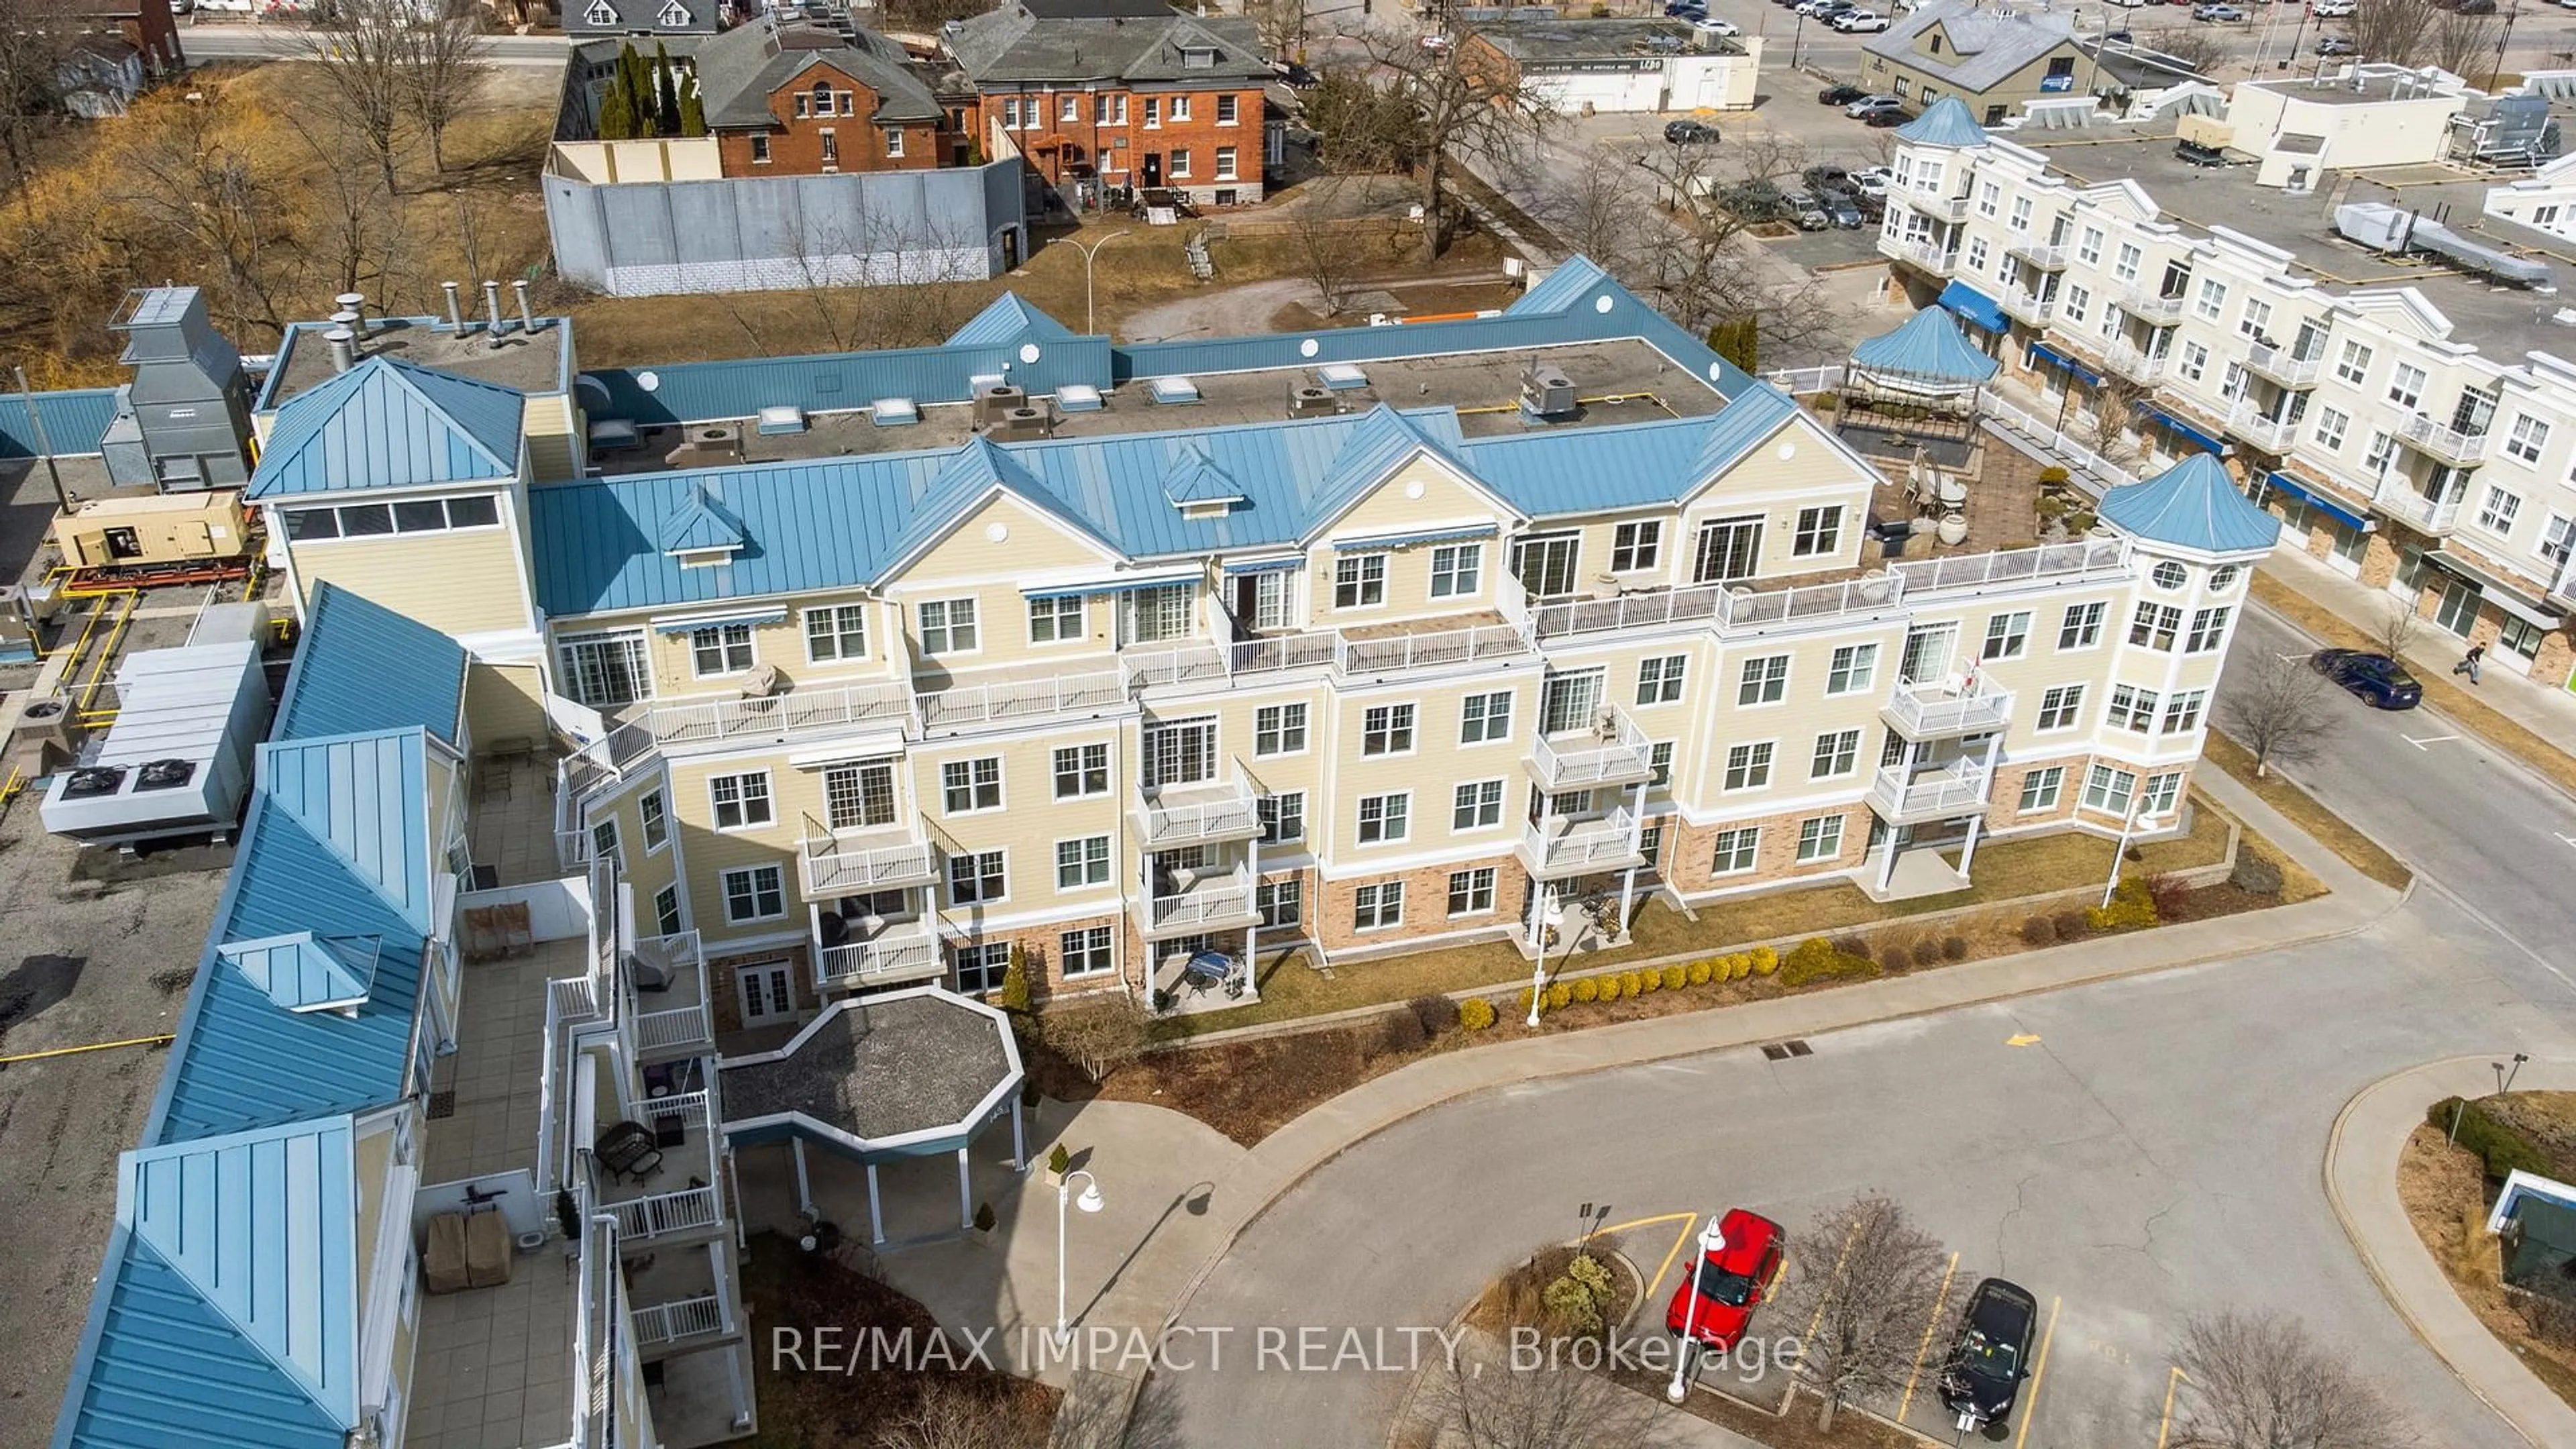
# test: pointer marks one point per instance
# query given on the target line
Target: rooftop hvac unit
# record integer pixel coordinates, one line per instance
(994, 401)
(1021, 424)
(1308, 401)
(17, 626)
(178, 759)
(43, 725)
(723, 439)
(1547, 392)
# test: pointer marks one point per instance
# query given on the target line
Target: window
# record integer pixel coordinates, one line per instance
(858, 797)
(666, 911)
(1359, 581)
(1736, 851)
(739, 801)
(2108, 789)
(1457, 570)
(1989, 198)
(2195, 361)
(1635, 547)
(831, 149)
(754, 893)
(721, 649)
(966, 786)
(1057, 620)
(2162, 790)
(2088, 246)
(603, 842)
(1853, 669)
(1180, 108)
(759, 149)
(2331, 423)
(2007, 636)
(2124, 267)
(2528, 437)
(1659, 680)
(2132, 709)
(2376, 457)
(1471, 892)
(1083, 862)
(2182, 712)
(2212, 301)
(2558, 540)
(1225, 112)
(2257, 316)
(1385, 819)
(1180, 161)
(839, 631)
(1820, 531)
(1082, 953)
(2039, 788)
(2222, 578)
(1836, 753)
(373, 520)
(1659, 761)
(1153, 112)
(1766, 681)
(2496, 513)
(2020, 219)
(2061, 707)
(657, 822)
(1546, 564)
(1225, 162)
(1728, 550)
(1479, 806)
(1376, 907)
(2080, 627)
(1279, 729)
(1650, 844)
(1117, 110)
(1485, 718)
(2406, 385)
(1010, 113)
(606, 671)
(2079, 301)
(2208, 631)
(1282, 904)
(2518, 637)
(981, 968)
(1080, 770)
(1283, 817)
(1179, 752)
(1748, 767)
(2352, 365)
(1386, 729)
(2153, 626)
(1820, 838)
(1068, 107)
(948, 627)
(975, 878)
(894, 142)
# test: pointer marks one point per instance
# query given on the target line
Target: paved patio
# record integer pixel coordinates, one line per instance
(511, 823)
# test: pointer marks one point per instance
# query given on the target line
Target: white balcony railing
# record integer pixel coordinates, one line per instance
(841, 866)
(1698, 604)
(2046, 258)
(1175, 816)
(1956, 789)
(1954, 707)
(661, 1214)
(1022, 699)
(891, 959)
(2249, 423)
(2282, 365)
(666, 1323)
(2083, 558)
(1434, 649)
(1196, 661)
(1947, 208)
(1932, 256)
(681, 965)
(1209, 902)
(2451, 445)
(1560, 845)
(2149, 305)
(2399, 500)
(2029, 306)
(1614, 752)
(681, 723)
(680, 1029)
(2132, 364)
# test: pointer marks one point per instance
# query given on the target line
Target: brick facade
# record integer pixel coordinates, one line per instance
(1129, 152)
(797, 142)
(1691, 850)
(1426, 905)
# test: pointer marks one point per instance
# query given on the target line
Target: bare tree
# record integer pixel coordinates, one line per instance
(2463, 44)
(1328, 248)
(1452, 109)
(1493, 1406)
(958, 1413)
(2115, 411)
(186, 177)
(1698, 267)
(1098, 1036)
(1869, 1284)
(2399, 627)
(362, 58)
(32, 53)
(1281, 24)
(2393, 31)
(443, 64)
(2258, 1381)
(2199, 48)
(1600, 207)
(2278, 711)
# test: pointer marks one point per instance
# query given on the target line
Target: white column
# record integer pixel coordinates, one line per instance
(741, 1391)
(1252, 933)
(1538, 912)
(1968, 856)
(965, 1193)
(876, 1208)
(1019, 1142)
(1887, 862)
(804, 1185)
(1636, 834)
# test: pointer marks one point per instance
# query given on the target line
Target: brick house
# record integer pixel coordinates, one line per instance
(796, 98)
(1111, 94)
(147, 25)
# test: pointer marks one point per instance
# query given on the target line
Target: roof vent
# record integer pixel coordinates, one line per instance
(1309, 401)
(164, 774)
(93, 781)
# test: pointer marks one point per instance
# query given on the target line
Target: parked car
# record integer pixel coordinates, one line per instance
(1992, 1354)
(2374, 679)
(2217, 12)
(1806, 210)
(2476, 7)
(2197, 154)
(1719, 27)
(1714, 1303)
(1753, 201)
(1841, 210)
(1819, 9)
(1862, 108)
(1687, 132)
(1872, 181)
(2333, 9)
(1435, 42)
(1681, 7)
(2337, 45)
(1884, 117)
(1859, 22)
(1825, 176)
(1839, 95)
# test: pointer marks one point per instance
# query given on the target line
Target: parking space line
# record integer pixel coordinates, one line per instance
(1920, 1349)
(2164, 1426)
(2038, 1375)
(1689, 1221)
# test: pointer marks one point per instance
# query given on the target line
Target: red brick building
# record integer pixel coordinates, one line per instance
(798, 98)
(1111, 94)
(147, 25)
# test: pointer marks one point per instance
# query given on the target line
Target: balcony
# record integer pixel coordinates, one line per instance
(2400, 500)
(1946, 208)
(1948, 708)
(1200, 902)
(1171, 816)
(681, 724)
(862, 952)
(677, 1198)
(2046, 258)
(1923, 252)
(1417, 645)
(1903, 798)
(666, 977)
(2281, 365)
(1614, 752)
(2029, 306)
(849, 862)
(2150, 306)
(2448, 445)
(1567, 845)
(1978, 573)
(2247, 423)
(2132, 364)
(1732, 609)
(683, 1300)
(966, 702)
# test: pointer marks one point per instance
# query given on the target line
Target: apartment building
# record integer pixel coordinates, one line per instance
(1361, 641)
(794, 97)
(2415, 437)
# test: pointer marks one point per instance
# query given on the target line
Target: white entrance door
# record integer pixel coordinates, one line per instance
(768, 993)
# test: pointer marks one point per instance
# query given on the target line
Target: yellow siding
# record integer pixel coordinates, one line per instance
(460, 583)
(501, 703)
(991, 571)
(1033, 543)
(553, 430)
(375, 1155)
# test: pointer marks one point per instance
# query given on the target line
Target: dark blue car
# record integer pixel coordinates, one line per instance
(2374, 679)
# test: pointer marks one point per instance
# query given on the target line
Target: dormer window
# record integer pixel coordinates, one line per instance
(1198, 57)
(1201, 510)
(674, 16)
(703, 558)
(600, 15)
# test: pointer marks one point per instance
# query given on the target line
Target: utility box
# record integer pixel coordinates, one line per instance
(177, 528)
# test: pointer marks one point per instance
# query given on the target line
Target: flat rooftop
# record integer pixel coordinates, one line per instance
(2375, 89)
(878, 1068)
(528, 361)
(1619, 381)
(1540, 41)
(2501, 322)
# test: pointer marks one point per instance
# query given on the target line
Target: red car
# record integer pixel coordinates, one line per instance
(1731, 1282)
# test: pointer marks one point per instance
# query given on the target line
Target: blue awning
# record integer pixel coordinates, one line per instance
(2322, 501)
(2188, 432)
(1267, 565)
(1081, 588)
(2041, 352)
(1374, 542)
(1974, 307)
(690, 624)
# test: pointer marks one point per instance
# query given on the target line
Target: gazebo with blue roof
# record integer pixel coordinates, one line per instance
(1918, 382)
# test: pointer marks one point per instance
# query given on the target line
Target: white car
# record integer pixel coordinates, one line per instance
(1872, 181)
(1729, 27)
(2336, 9)
(1855, 22)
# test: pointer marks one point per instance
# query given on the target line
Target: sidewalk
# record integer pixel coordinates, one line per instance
(2361, 1182)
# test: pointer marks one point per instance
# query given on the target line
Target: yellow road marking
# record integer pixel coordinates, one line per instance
(1642, 1223)
(2164, 1426)
(2038, 1374)
(1925, 1346)
(1690, 1220)
(2022, 1038)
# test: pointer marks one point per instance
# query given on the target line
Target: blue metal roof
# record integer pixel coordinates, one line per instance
(72, 421)
(305, 972)
(390, 424)
(1927, 345)
(363, 667)
(1008, 321)
(1560, 289)
(1948, 123)
(702, 525)
(1586, 470)
(2193, 505)
(1195, 478)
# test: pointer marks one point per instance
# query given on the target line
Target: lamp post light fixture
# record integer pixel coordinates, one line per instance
(2505, 1075)
(1089, 252)
(2137, 817)
(1091, 1202)
(1712, 1239)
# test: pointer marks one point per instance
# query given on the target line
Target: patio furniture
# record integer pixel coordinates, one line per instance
(1213, 968)
(628, 1150)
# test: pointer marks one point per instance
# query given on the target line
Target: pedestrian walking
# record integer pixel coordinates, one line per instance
(2468, 664)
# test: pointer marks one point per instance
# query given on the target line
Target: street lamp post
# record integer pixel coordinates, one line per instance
(1089, 252)
(2505, 1076)
(1711, 1239)
(1090, 1202)
(2137, 817)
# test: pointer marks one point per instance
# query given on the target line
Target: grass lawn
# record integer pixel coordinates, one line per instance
(2330, 830)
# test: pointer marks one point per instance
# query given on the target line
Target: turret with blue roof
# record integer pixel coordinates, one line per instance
(2193, 508)
(1947, 122)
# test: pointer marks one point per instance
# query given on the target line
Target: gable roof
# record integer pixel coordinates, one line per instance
(1007, 321)
(1383, 442)
(390, 424)
(305, 972)
(1926, 345)
(1194, 477)
(1022, 43)
(739, 70)
(363, 667)
(701, 525)
(1947, 123)
(1981, 47)
(2192, 505)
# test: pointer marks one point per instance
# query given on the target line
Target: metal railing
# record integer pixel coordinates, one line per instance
(1931, 256)
(1615, 751)
(1697, 604)
(1597, 844)
(687, 1318)
(712, 721)
(1021, 699)
(1747, 609)
(1804, 381)
(2283, 365)
(1955, 789)
(682, 1028)
(2133, 364)
(1964, 708)
(2149, 305)
(2061, 443)
(1230, 815)
(910, 953)
(2401, 501)
(599, 1337)
(2451, 445)
(2249, 423)
(1434, 649)
(1213, 898)
(1947, 208)
(2029, 306)
(2046, 258)
(834, 867)
(1195, 662)
(660, 1214)
(1285, 651)
(2077, 558)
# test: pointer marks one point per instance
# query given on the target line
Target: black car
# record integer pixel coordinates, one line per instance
(1992, 1355)
(1687, 132)
(1839, 95)
(2196, 154)
(1885, 117)
(1826, 177)
(2374, 679)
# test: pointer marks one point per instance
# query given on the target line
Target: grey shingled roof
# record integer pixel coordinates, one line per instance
(741, 69)
(1985, 47)
(1057, 43)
